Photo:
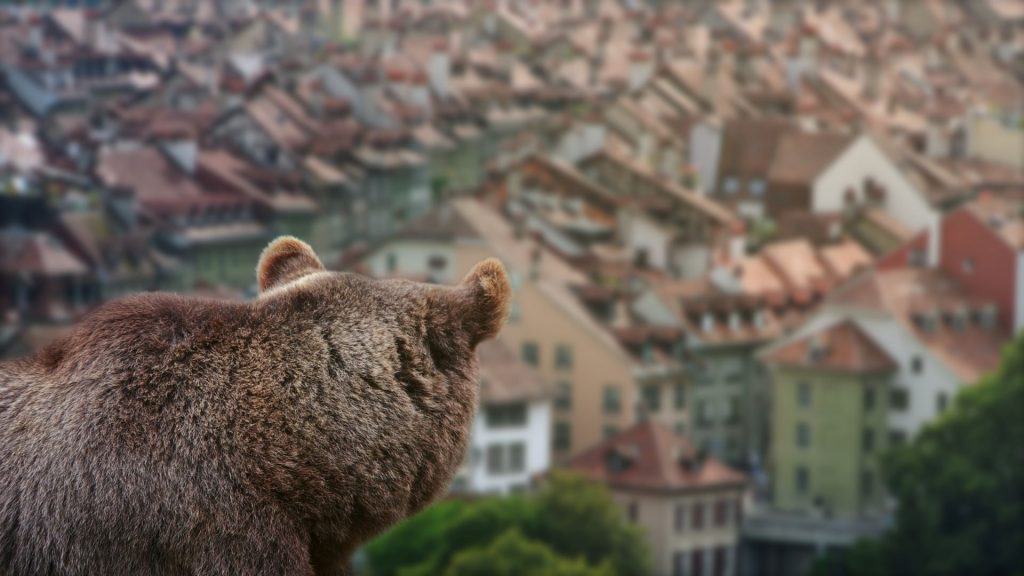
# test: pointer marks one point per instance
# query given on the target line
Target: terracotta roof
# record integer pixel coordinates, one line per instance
(748, 147)
(1003, 216)
(37, 253)
(842, 347)
(800, 157)
(505, 378)
(649, 456)
(969, 351)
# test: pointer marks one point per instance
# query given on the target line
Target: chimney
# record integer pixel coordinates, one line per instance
(439, 69)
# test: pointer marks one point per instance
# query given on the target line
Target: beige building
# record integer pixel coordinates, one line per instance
(690, 506)
(601, 380)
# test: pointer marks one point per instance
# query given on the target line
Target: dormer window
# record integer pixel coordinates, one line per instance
(617, 460)
(957, 318)
(925, 321)
(731, 185)
(734, 321)
(817, 350)
(759, 319)
(707, 322)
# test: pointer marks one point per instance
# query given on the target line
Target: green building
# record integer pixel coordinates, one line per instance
(830, 395)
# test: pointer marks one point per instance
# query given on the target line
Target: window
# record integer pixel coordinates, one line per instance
(868, 440)
(506, 459)
(562, 437)
(731, 185)
(703, 413)
(721, 513)
(732, 409)
(897, 437)
(869, 398)
(757, 187)
(803, 480)
(679, 396)
(651, 397)
(697, 516)
(941, 402)
(517, 457)
(437, 263)
(916, 365)
(531, 353)
(697, 562)
(867, 484)
(612, 400)
(679, 564)
(506, 415)
(899, 399)
(495, 459)
(563, 357)
(609, 430)
(803, 394)
(563, 395)
(803, 435)
(721, 553)
(967, 265)
(680, 518)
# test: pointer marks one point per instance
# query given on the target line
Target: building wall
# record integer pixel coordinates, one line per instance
(731, 391)
(835, 456)
(413, 258)
(538, 318)
(991, 139)
(643, 234)
(535, 436)
(980, 261)
(656, 514)
(862, 160)
(705, 149)
(923, 386)
(1018, 319)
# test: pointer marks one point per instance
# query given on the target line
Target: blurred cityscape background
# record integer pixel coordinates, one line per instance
(766, 254)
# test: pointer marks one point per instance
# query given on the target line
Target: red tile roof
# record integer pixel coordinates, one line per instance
(842, 347)
(504, 378)
(649, 456)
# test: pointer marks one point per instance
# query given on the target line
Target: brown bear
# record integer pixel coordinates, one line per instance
(169, 435)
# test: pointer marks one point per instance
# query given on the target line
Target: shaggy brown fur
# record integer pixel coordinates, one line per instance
(177, 436)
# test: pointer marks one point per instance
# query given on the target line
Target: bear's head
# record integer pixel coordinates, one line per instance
(457, 317)
(404, 354)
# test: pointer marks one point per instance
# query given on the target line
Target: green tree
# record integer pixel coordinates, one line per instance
(573, 519)
(960, 488)
(577, 517)
(512, 554)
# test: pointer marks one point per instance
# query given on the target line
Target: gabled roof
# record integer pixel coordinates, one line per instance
(505, 378)
(801, 157)
(649, 456)
(905, 294)
(842, 347)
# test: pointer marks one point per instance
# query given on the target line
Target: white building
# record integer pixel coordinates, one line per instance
(863, 173)
(941, 338)
(511, 439)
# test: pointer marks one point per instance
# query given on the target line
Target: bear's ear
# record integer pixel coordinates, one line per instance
(484, 296)
(285, 260)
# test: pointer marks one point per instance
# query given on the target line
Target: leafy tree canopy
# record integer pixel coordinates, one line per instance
(570, 528)
(960, 488)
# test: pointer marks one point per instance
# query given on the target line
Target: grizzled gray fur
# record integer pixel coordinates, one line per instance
(179, 436)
